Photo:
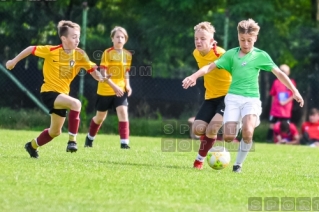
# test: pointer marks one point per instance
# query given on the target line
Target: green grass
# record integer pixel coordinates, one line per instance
(144, 178)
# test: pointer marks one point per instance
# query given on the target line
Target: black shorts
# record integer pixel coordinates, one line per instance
(48, 99)
(274, 119)
(209, 108)
(105, 103)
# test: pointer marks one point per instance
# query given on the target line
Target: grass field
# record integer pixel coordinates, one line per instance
(144, 178)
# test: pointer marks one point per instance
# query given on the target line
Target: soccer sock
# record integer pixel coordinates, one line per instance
(94, 128)
(124, 132)
(243, 152)
(205, 145)
(74, 122)
(34, 144)
(43, 138)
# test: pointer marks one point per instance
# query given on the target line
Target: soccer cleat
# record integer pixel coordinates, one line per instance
(32, 152)
(125, 146)
(88, 142)
(71, 147)
(198, 165)
(237, 168)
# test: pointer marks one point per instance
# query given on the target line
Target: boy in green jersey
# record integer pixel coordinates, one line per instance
(243, 106)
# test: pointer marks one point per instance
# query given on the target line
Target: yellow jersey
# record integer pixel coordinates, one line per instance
(217, 81)
(60, 68)
(116, 62)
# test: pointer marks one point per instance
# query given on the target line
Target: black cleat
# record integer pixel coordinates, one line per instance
(125, 146)
(237, 168)
(88, 142)
(72, 147)
(32, 152)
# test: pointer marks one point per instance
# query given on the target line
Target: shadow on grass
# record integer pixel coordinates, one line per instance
(135, 164)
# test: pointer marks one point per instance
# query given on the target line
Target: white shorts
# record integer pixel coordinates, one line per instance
(239, 106)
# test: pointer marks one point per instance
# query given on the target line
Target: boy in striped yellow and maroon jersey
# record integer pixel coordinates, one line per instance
(115, 62)
(61, 64)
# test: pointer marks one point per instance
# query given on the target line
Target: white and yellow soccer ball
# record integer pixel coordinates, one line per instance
(218, 157)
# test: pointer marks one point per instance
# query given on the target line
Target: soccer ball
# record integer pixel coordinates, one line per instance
(218, 157)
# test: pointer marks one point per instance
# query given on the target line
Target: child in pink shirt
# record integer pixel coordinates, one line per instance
(281, 103)
(286, 133)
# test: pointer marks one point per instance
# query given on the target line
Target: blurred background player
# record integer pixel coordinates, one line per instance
(281, 102)
(115, 64)
(310, 129)
(286, 133)
(61, 64)
(210, 115)
(243, 106)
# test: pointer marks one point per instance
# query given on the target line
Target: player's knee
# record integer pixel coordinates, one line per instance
(54, 133)
(99, 119)
(198, 129)
(247, 135)
(211, 131)
(229, 138)
(247, 140)
(76, 105)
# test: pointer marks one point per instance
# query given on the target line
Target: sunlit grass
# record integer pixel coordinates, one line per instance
(144, 178)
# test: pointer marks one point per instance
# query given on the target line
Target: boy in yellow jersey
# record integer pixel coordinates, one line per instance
(115, 62)
(210, 116)
(61, 64)
(243, 106)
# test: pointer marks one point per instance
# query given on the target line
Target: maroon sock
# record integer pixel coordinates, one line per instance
(124, 129)
(44, 138)
(74, 121)
(205, 145)
(94, 128)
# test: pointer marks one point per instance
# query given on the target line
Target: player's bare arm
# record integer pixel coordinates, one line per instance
(97, 75)
(287, 82)
(24, 53)
(118, 91)
(127, 84)
(190, 81)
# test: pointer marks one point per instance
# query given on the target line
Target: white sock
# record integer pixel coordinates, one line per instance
(72, 134)
(125, 141)
(242, 152)
(200, 158)
(91, 137)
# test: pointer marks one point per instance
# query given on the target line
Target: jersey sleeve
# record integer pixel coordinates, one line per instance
(293, 82)
(273, 89)
(266, 63)
(225, 61)
(303, 126)
(85, 63)
(41, 51)
(128, 61)
(104, 60)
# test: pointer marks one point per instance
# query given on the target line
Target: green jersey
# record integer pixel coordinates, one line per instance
(245, 70)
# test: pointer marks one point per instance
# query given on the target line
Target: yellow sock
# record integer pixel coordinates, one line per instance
(34, 144)
(72, 138)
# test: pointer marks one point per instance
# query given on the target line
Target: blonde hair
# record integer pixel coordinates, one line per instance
(121, 29)
(285, 68)
(206, 26)
(63, 27)
(248, 27)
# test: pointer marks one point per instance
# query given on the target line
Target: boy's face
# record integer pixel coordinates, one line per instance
(72, 40)
(246, 42)
(314, 118)
(118, 40)
(203, 40)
